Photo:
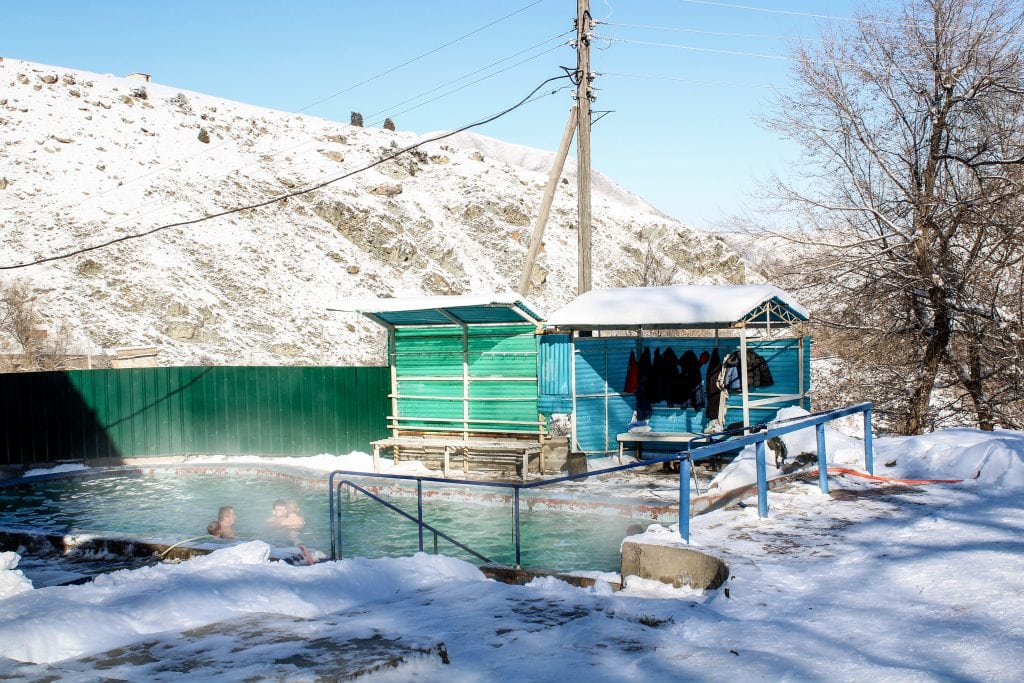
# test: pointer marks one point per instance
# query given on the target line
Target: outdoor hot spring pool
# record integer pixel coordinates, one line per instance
(175, 504)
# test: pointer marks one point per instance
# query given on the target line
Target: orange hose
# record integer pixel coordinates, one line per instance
(875, 477)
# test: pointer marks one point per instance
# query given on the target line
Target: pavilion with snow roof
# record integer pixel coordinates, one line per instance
(585, 358)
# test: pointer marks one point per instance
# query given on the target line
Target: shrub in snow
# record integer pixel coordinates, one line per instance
(389, 124)
(357, 119)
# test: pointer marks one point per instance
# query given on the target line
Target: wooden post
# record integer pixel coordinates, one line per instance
(583, 95)
(545, 205)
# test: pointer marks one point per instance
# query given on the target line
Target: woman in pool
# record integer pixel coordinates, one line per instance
(224, 527)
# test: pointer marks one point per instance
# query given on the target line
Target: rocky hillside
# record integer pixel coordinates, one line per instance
(87, 158)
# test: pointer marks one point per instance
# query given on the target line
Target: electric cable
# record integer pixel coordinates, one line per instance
(312, 141)
(683, 80)
(861, 20)
(388, 109)
(288, 195)
(284, 117)
(720, 34)
(693, 48)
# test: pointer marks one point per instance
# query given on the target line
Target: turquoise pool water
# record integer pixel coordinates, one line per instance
(178, 506)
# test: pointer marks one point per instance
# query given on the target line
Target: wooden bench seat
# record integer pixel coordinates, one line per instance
(640, 438)
(503, 454)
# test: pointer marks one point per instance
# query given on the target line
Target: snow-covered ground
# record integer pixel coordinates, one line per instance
(877, 581)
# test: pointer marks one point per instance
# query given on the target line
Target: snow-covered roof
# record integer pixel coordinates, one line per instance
(679, 306)
(505, 307)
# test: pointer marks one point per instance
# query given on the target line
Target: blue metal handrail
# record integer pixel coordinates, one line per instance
(717, 443)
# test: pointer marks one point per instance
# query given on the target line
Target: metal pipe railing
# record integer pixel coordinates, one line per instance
(717, 443)
(337, 550)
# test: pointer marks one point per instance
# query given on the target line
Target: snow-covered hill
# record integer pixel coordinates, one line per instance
(87, 158)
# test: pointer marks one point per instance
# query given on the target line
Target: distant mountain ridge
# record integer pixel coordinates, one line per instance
(87, 158)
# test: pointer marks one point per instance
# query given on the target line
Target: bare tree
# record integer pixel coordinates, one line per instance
(652, 268)
(912, 126)
(19, 322)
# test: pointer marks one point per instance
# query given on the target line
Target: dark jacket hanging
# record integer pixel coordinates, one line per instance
(714, 392)
(758, 374)
(670, 378)
(689, 387)
(643, 399)
(656, 382)
(632, 375)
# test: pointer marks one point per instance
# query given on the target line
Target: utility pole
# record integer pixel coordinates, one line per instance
(584, 93)
(579, 121)
(545, 205)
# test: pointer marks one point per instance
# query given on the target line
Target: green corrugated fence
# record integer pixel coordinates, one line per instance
(89, 414)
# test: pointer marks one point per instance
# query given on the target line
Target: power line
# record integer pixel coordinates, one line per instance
(529, 100)
(289, 195)
(859, 20)
(683, 80)
(274, 153)
(693, 48)
(473, 73)
(207, 150)
(782, 11)
(700, 32)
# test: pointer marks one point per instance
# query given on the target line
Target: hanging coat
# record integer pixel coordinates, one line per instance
(758, 374)
(632, 375)
(689, 384)
(670, 378)
(714, 392)
(656, 382)
(643, 399)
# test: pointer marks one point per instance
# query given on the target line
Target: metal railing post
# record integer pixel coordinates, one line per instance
(869, 453)
(762, 480)
(684, 498)
(822, 458)
(341, 547)
(330, 505)
(419, 509)
(515, 514)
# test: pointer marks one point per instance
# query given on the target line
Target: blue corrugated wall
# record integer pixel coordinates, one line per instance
(602, 411)
(554, 373)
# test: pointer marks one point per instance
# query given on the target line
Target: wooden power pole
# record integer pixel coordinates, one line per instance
(545, 205)
(583, 96)
(579, 121)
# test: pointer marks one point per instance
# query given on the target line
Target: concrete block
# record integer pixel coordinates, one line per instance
(672, 564)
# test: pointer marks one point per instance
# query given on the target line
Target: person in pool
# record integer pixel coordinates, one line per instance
(225, 523)
(285, 515)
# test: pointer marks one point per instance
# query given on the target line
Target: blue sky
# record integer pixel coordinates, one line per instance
(687, 140)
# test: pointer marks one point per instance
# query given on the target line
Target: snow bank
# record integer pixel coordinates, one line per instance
(356, 461)
(994, 459)
(46, 625)
(12, 581)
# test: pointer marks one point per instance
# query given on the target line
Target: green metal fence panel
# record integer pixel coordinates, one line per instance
(109, 414)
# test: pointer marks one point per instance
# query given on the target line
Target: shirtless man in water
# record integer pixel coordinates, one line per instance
(283, 514)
